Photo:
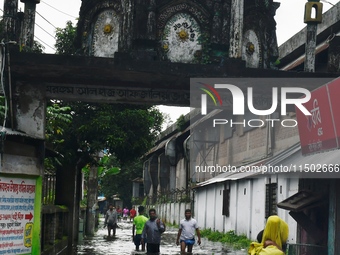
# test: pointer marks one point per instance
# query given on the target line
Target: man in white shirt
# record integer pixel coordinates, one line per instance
(186, 232)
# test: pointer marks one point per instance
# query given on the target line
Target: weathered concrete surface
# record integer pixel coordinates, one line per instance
(29, 110)
(9, 19)
(90, 78)
(27, 33)
(13, 164)
(333, 55)
(176, 31)
(236, 29)
(310, 48)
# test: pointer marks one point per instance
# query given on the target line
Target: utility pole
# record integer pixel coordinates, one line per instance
(9, 19)
(312, 7)
(91, 201)
(27, 34)
(9, 37)
(236, 28)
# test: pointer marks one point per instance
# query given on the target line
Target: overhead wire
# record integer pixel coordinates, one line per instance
(327, 2)
(44, 42)
(2, 83)
(2, 69)
(50, 23)
(19, 10)
(40, 40)
(46, 19)
(44, 30)
(59, 10)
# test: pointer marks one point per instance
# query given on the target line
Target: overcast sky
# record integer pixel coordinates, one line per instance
(52, 14)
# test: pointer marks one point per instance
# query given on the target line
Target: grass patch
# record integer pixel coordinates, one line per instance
(230, 238)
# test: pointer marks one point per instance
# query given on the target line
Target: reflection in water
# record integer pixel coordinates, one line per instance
(122, 244)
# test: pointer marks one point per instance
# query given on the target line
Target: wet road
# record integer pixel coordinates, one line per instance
(122, 244)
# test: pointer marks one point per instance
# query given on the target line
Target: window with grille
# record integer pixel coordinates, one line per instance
(271, 199)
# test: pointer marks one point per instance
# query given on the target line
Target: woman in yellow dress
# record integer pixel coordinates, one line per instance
(274, 236)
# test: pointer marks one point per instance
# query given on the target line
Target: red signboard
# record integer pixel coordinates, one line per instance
(320, 131)
(334, 93)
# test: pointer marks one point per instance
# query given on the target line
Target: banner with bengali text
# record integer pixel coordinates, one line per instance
(16, 215)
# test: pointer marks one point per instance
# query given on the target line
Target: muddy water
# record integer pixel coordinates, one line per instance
(122, 244)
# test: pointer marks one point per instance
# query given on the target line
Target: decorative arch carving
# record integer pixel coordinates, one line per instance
(89, 14)
(252, 49)
(260, 20)
(168, 11)
(106, 31)
(180, 32)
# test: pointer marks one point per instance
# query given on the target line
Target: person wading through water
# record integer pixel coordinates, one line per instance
(138, 225)
(111, 220)
(186, 232)
(152, 231)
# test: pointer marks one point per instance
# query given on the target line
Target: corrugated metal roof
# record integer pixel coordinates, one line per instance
(276, 159)
(306, 166)
(201, 120)
(239, 174)
(329, 157)
(159, 146)
(302, 200)
(190, 127)
(299, 166)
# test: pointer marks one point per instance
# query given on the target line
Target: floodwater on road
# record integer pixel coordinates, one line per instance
(122, 244)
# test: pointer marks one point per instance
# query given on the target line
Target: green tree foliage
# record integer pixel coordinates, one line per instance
(128, 131)
(181, 123)
(37, 48)
(2, 109)
(57, 120)
(121, 183)
(125, 131)
(58, 117)
(107, 166)
(65, 39)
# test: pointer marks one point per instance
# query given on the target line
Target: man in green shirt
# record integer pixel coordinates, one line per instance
(138, 225)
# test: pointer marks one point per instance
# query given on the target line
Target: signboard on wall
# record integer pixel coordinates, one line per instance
(321, 130)
(17, 197)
